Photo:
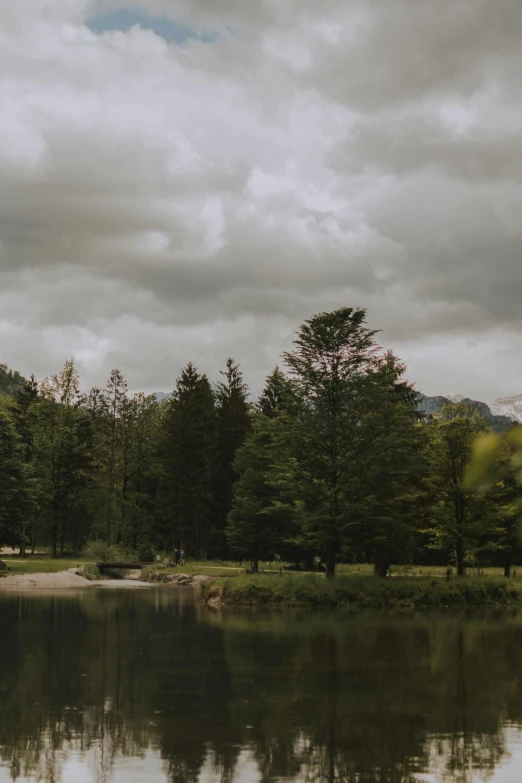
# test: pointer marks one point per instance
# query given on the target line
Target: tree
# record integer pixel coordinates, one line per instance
(61, 455)
(25, 399)
(258, 520)
(232, 426)
(278, 395)
(188, 455)
(458, 515)
(395, 469)
(350, 393)
(114, 397)
(16, 496)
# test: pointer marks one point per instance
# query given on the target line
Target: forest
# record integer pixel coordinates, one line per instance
(332, 463)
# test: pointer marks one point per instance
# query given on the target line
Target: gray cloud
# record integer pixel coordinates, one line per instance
(160, 203)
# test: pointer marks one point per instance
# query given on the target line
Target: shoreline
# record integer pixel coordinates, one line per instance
(70, 579)
(359, 593)
(64, 580)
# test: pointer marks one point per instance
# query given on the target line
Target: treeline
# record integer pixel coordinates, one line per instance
(332, 462)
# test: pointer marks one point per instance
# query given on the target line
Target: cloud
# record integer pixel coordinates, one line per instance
(165, 200)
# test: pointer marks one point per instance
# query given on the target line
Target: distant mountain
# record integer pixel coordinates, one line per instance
(454, 397)
(508, 406)
(431, 405)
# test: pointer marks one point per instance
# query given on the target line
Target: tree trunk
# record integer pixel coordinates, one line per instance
(255, 566)
(381, 570)
(507, 570)
(330, 564)
(459, 555)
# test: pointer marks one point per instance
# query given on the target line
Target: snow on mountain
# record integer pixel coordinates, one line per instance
(508, 406)
(455, 398)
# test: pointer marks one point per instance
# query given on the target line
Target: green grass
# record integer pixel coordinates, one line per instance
(41, 565)
(362, 592)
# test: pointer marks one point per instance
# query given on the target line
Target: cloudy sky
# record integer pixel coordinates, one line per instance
(190, 179)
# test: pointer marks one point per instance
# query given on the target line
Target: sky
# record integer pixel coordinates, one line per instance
(188, 180)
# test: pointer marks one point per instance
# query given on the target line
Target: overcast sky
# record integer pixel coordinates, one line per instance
(192, 181)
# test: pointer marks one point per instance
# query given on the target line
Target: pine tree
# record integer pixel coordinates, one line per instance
(233, 424)
(277, 396)
(259, 522)
(343, 379)
(114, 397)
(188, 457)
(16, 495)
(61, 457)
(25, 398)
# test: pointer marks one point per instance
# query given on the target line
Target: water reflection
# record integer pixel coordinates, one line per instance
(151, 686)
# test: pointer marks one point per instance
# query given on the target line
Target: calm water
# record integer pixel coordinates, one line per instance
(148, 687)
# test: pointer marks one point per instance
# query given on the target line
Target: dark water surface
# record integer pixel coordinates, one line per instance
(150, 686)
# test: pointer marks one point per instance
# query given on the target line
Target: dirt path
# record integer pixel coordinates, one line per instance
(64, 580)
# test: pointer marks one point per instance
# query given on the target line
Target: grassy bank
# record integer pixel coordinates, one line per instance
(361, 592)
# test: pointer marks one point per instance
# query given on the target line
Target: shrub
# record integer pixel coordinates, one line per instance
(101, 552)
(145, 552)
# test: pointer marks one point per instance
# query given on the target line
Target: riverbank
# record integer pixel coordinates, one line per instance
(63, 580)
(359, 592)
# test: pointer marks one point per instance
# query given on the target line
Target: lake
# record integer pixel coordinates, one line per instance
(101, 686)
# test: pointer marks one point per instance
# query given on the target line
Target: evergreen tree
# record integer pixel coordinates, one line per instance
(344, 381)
(114, 399)
(259, 522)
(188, 458)
(232, 426)
(61, 456)
(277, 396)
(392, 486)
(25, 398)
(16, 494)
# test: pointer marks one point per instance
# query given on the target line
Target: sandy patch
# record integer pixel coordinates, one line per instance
(63, 580)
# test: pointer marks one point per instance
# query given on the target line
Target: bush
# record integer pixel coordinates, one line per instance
(101, 552)
(145, 552)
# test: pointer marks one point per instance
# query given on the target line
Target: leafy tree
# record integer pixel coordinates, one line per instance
(188, 455)
(350, 395)
(232, 426)
(458, 515)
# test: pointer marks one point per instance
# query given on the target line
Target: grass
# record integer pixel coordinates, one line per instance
(362, 592)
(41, 565)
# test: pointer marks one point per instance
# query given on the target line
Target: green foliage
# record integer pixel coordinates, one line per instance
(361, 592)
(11, 382)
(145, 552)
(354, 439)
(258, 521)
(188, 453)
(459, 517)
(101, 552)
(330, 463)
(233, 422)
(17, 495)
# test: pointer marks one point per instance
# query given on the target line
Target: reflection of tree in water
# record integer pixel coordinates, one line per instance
(313, 698)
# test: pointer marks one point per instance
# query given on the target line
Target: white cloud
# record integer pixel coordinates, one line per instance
(199, 201)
